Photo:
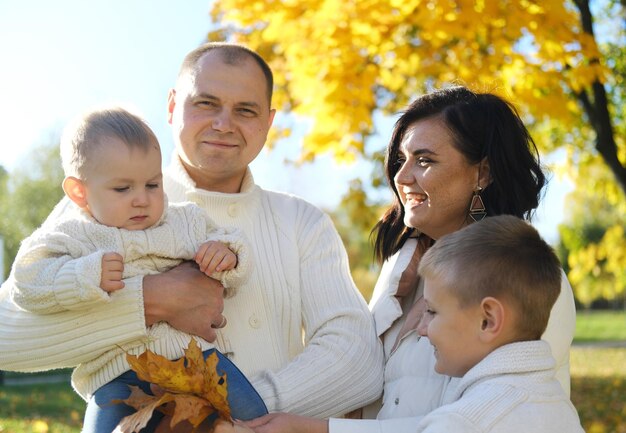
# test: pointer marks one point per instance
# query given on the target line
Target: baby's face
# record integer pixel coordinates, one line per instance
(452, 330)
(124, 186)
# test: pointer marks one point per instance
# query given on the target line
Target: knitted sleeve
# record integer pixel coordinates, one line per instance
(393, 425)
(340, 368)
(35, 342)
(54, 271)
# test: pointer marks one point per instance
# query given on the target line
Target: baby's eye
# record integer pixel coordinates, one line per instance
(430, 312)
(121, 189)
(152, 185)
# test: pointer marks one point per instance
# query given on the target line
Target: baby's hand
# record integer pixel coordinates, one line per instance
(112, 269)
(213, 256)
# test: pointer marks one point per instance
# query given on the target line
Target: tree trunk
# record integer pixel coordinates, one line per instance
(596, 107)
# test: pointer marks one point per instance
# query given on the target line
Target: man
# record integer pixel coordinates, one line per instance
(298, 328)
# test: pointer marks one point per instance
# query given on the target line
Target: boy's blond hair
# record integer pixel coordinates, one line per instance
(84, 135)
(503, 257)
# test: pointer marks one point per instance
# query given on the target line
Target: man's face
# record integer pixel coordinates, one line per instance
(220, 116)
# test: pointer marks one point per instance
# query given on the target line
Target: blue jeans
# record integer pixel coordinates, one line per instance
(102, 416)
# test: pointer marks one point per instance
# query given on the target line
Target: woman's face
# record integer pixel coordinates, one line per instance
(435, 181)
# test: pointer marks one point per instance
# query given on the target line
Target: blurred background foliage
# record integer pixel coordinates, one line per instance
(562, 62)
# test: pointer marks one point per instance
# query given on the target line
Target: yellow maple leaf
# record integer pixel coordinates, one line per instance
(189, 389)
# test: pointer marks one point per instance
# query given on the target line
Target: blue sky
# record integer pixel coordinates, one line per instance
(60, 58)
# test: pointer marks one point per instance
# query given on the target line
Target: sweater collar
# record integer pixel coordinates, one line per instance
(178, 175)
(519, 358)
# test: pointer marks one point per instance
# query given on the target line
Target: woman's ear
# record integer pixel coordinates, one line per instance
(484, 175)
(74, 188)
(493, 318)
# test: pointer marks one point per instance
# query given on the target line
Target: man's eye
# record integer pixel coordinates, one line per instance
(247, 112)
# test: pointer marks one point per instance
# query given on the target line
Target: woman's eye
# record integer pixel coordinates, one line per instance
(423, 161)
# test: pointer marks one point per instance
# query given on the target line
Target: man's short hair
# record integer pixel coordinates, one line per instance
(83, 136)
(231, 54)
(503, 257)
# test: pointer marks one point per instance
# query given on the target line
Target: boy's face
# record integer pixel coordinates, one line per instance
(124, 187)
(452, 330)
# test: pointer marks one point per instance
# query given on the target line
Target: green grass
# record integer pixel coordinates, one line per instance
(592, 326)
(42, 408)
(599, 387)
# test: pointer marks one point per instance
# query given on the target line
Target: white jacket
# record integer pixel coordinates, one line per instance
(412, 387)
(513, 389)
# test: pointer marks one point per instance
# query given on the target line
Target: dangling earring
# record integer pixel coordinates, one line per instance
(477, 207)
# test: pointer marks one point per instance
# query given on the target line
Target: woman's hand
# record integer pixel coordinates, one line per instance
(186, 299)
(287, 423)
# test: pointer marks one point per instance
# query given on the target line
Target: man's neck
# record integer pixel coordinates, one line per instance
(204, 180)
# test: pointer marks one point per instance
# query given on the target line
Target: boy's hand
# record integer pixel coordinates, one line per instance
(112, 269)
(213, 256)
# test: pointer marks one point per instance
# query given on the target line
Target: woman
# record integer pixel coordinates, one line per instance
(455, 156)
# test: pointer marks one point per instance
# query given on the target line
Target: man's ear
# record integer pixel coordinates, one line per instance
(171, 103)
(271, 117)
(493, 318)
(75, 190)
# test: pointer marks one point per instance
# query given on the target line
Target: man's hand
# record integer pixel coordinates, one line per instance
(112, 270)
(186, 299)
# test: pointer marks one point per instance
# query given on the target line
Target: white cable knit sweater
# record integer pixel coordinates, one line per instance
(298, 327)
(513, 389)
(59, 267)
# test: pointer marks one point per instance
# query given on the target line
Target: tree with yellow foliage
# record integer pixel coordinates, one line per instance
(339, 61)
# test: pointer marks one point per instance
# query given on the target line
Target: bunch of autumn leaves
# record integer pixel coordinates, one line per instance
(186, 389)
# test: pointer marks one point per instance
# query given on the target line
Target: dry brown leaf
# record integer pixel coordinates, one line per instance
(191, 387)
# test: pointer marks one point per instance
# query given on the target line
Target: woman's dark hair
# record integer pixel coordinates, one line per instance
(482, 125)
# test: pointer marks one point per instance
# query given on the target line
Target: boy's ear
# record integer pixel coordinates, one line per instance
(493, 317)
(75, 190)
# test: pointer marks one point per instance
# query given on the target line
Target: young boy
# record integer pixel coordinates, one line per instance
(120, 226)
(489, 289)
